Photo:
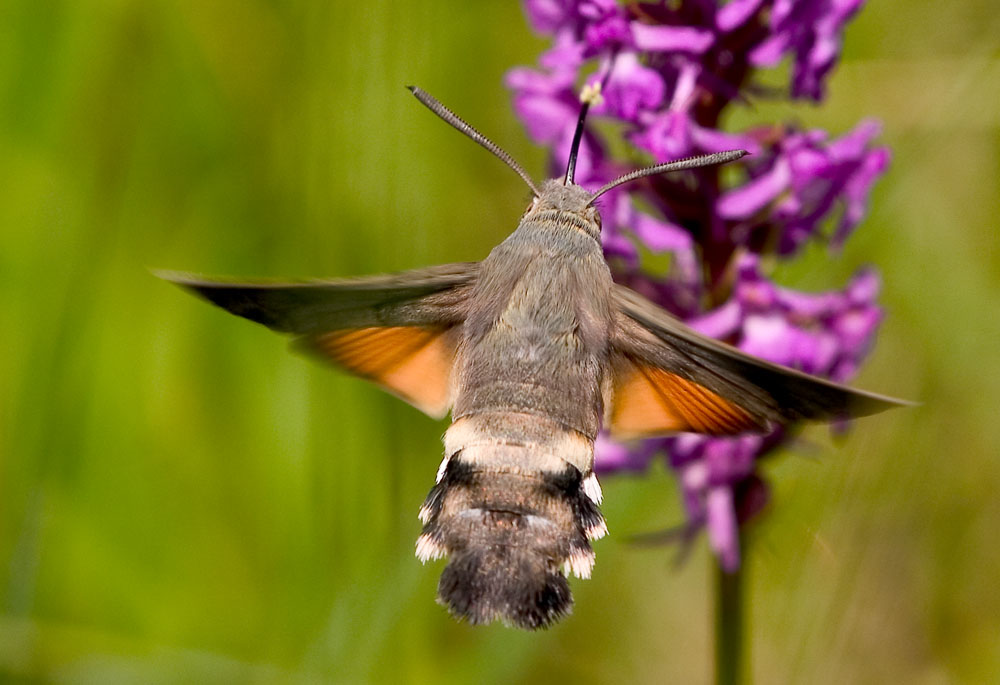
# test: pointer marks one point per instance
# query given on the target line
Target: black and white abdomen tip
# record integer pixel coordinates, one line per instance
(512, 533)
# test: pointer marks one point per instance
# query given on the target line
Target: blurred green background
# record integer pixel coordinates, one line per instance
(181, 500)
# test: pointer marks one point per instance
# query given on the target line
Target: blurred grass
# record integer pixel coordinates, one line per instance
(183, 501)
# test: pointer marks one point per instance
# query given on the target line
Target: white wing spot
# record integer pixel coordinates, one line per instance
(429, 549)
(425, 514)
(441, 469)
(592, 489)
(597, 531)
(580, 563)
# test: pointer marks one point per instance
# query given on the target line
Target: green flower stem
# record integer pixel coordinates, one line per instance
(730, 656)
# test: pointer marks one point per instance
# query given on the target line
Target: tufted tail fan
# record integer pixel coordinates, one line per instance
(512, 537)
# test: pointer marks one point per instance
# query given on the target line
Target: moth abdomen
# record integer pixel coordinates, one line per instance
(516, 585)
(514, 518)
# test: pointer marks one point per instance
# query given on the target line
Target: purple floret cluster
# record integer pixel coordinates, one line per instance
(668, 72)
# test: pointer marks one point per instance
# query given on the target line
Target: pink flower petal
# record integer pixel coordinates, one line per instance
(671, 38)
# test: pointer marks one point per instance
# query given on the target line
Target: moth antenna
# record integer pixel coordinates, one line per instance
(432, 103)
(676, 165)
(591, 94)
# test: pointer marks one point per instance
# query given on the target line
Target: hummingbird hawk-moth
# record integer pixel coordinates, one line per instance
(534, 350)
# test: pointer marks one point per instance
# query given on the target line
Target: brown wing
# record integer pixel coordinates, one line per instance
(396, 330)
(687, 381)
(412, 362)
(650, 401)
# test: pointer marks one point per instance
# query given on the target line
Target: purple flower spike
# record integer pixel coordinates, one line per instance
(800, 181)
(736, 13)
(669, 73)
(545, 100)
(548, 15)
(722, 528)
(811, 31)
(671, 38)
(744, 202)
(634, 89)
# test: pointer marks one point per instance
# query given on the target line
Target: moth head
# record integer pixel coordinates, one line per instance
(567, 199)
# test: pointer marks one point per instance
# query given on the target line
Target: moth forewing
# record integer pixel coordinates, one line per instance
(768, 392)
(398, 331)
